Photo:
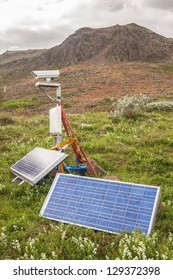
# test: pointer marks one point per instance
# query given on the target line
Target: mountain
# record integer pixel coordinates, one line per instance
(11, 56)
(113, 44)
(18, 60)
(130, 42)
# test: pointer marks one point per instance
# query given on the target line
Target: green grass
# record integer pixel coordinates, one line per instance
(168, 68)
(24, 103)
(138, 151)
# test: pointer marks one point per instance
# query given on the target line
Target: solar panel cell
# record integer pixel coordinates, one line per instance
(101, 204)
(137, 190)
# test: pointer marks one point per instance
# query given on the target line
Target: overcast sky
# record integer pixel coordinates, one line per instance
(30, 24)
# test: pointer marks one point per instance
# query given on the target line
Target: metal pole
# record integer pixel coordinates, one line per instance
(57, 139)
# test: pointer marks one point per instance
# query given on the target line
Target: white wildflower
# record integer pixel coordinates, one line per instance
(43, 256)
(15, 227)
(157, 255)
(54, 254)
(31, 257)
(164, 256)
(31, 242)
(16, 245)
(169, 202)
(170, 237)
(2, 187)
(3, 238)
(25, 257)
(4, 228)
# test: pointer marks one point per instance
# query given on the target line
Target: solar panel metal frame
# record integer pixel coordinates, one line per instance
(57, 158)
(55, 183)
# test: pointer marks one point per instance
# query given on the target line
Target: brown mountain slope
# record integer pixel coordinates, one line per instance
(90, 87)
(112, 44)
(13, 56)
(129, 42)
(18, 61)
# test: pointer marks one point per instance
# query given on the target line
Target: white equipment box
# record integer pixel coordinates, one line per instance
(55, 120)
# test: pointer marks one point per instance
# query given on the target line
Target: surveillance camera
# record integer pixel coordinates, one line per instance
(46, 74)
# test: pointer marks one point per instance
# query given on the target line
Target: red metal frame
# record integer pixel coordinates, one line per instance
(78, 150)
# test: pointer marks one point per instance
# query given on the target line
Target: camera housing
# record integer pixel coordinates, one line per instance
(46, 74)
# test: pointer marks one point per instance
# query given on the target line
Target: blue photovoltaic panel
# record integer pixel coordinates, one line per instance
(102, 204)
(37, 164)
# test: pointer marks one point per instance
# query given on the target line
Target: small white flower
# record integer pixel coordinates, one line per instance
(53, 254)
(4, 228)
(43, 256)
(15, 227)
(16, 244)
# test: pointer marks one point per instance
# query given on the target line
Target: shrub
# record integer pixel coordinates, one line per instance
(6, 120)
(139, 247)
(160, 106)
(130, 107)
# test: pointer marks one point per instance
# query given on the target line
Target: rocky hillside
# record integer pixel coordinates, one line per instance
(18, 60)
(113, 44)
(11, 56)
(129, 42)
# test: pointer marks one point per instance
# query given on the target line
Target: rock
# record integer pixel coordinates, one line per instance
(114, 178)
(98, 169)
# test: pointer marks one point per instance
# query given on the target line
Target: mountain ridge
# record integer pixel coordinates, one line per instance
(114, 44)
(117, 43)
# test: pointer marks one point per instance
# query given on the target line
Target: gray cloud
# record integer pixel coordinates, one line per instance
(33, 39)
(39, 30)
(48, 2)
(100, 13)
(110, 5)
(159, 4)
(40, 9)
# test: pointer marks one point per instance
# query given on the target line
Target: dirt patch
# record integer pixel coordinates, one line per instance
(85, 87)
(4, 120)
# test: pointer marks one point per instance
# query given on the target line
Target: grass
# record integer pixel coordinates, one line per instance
(24, 103)
(138, 151)
(168, 68)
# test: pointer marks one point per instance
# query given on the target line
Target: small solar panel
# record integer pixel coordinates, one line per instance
(101, 204)
(37, 164)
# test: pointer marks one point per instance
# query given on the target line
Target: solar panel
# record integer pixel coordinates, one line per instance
(37, 164)
(101, 204)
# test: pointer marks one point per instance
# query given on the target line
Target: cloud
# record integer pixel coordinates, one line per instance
(159, 4)
(94, 13)
(45, 23)
(111, 5)
(40, 9)
(26, 38)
